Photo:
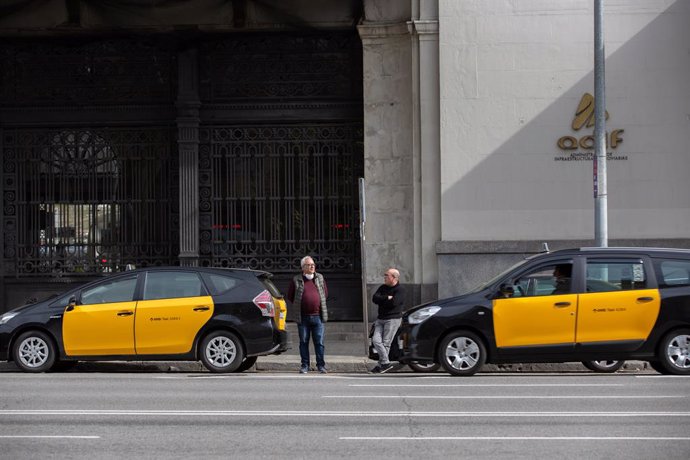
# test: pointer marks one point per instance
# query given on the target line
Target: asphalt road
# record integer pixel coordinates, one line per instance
(287, 415)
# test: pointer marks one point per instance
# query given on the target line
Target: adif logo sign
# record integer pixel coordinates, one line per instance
(580, 146)
(584, 118)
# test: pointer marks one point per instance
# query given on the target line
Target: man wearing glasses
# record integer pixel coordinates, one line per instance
(308, 293)
(390, 298)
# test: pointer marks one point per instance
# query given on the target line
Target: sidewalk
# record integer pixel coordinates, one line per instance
(289, 363)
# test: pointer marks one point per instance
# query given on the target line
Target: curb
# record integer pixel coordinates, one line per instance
(336, 364)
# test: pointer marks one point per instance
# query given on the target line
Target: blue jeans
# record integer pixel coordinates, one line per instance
(311, 325)
(384, 332)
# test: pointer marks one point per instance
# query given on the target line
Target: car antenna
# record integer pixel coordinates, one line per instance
(545, 247)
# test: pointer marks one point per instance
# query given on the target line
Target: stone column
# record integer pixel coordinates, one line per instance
(188, 147)
(427, 150)
(3, 298)
(388, 162)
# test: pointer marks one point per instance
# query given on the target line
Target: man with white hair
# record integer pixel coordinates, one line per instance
(308, 294)
(390, 297)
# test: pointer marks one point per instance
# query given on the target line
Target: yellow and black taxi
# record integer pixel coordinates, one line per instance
(223, 317)
(596, 305)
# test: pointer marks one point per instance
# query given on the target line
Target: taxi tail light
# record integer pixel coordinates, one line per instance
(265, 303)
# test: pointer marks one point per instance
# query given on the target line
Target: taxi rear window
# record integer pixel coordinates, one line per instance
(218, 284)
(674, 272)
(275, 292)
(615, 275)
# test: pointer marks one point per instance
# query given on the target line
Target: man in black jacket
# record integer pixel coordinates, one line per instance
(390, 297)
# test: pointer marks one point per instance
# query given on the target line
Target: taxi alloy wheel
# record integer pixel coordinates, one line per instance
(609, 366)
(674, 352)
(34, 352)
(462, 353)
(222, 351)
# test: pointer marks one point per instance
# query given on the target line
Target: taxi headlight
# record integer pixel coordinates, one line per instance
(422, 314)
(8, 316)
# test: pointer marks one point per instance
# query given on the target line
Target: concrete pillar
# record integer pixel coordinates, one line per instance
(3, 298)
(426, 145)
(388, 161)
(188, 147)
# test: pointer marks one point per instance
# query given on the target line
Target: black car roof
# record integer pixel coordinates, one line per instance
(203, 269)
(219, 270)
(625, 250)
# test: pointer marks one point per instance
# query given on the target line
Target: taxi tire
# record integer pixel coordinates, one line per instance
(218, 345)
(656, 365)
(608, 367)
(248, 362)
(40, 346)
(419, 367)
(462, 353)
(61, 366)
(675, 343)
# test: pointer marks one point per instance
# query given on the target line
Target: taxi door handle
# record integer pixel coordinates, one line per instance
(125, 313)
(561, 304)
(204, 308)
(645, 299)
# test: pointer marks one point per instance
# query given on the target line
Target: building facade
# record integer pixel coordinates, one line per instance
(495, 133)
(235, 133)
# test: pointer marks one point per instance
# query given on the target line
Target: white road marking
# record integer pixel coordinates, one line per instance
(662, 376)
(514, 438)
(504, 397)
(289, 413)
(47, 437)
(484, 385)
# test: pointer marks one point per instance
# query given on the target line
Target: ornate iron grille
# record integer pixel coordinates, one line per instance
(271, 194)
(77, 73)
(283, 67)
(89, 200)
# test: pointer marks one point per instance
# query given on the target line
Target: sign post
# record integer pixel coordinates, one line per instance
(600, 192)
(362, 255)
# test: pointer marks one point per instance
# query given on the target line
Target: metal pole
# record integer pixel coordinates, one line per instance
(362, 255)
(600, 186)
(3, 299)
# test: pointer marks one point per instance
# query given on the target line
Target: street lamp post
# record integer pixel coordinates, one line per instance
(600, 185)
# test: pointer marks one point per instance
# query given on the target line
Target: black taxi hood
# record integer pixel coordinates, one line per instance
(43, 301)
(31, 305)
(448, 301)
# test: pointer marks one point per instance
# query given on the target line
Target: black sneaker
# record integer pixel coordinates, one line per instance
(375, 370)
(323, 370)
(385, 368)
(304, 369)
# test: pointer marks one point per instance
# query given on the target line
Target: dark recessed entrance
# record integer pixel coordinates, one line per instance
(93, 130)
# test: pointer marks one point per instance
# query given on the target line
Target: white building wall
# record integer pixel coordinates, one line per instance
(511, 76)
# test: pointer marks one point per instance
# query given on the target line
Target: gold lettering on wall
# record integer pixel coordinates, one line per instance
(584, 118)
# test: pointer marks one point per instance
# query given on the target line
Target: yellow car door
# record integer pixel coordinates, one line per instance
(618, 305)
(173, 309)
(540, 311)
(613, 316)
(529, 321)
(101, 323)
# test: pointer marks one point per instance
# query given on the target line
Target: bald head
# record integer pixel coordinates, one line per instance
(391, 277)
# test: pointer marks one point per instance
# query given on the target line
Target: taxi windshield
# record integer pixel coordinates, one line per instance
(493, 280)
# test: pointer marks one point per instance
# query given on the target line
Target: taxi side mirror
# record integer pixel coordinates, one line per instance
(71, 303)
(506, 290)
